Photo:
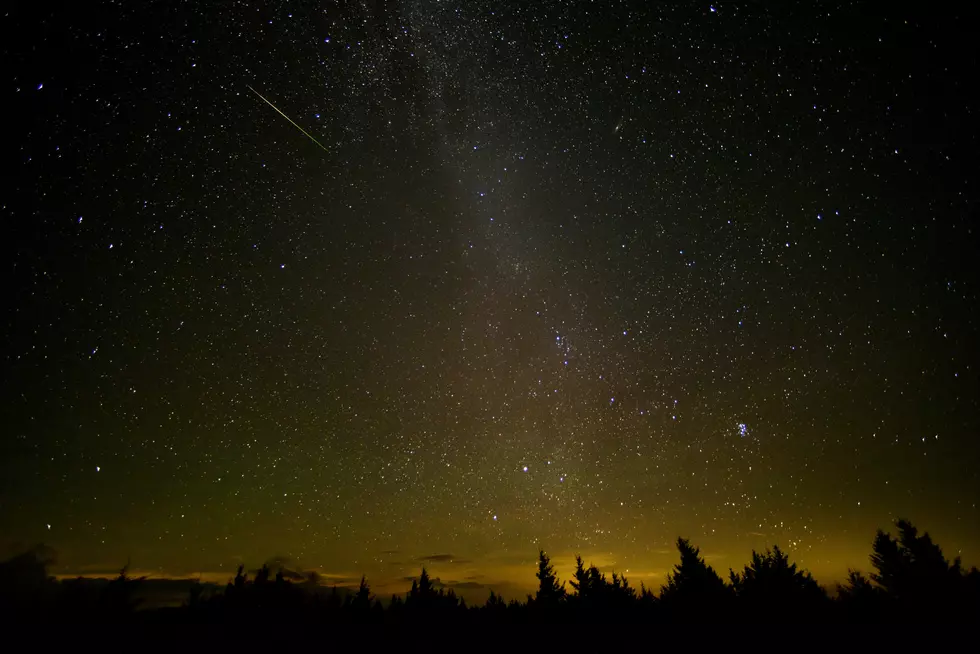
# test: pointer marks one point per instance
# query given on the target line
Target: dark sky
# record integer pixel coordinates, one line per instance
(584, 276)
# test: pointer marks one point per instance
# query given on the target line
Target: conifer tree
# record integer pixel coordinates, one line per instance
(362, 598)
(550, 591)
(771, 584)
(694, 588)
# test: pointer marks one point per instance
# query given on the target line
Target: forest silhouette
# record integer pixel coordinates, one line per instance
(911, 581)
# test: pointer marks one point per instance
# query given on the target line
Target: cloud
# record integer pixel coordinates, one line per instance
(293, 575)
(441, 558)
(339, 580)
(469, 585)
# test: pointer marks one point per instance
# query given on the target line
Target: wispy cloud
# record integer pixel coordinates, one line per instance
(469, 585)
(441, 558)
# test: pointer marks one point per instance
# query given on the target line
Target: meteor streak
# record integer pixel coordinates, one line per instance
(310, 136)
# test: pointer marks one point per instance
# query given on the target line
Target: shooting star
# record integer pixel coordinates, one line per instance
(310, 136)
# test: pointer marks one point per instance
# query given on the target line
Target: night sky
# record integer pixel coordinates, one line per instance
(501, 276)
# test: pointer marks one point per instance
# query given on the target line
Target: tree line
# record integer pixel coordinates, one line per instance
(912, 580)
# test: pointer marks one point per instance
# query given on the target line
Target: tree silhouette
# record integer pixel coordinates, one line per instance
(580, 579)
(262, 575)
(911, 581)
(647, 600)
(423, 598)
(550, 591)
(694, 589)
(422, 595)
(860, 599)
(774, 586)
(495, 602)
(361, 600)
(425, 584)
(912, 578)
(590, 587)
(118, 600)
(25, 585)
(596, 594)
(621, 595)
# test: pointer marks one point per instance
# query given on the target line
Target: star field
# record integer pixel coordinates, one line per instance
(582, 276)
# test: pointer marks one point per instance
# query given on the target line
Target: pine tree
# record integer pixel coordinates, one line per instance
(914, 576)
(647, 598)
(495, 602)
(694, 588)
(425, 584)
(423, 594)
(550, 592)
(362, 598)
(395, 607)
(860, 599)
(580, 578)
(262, 575)
(622, 592)
(771, 584)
